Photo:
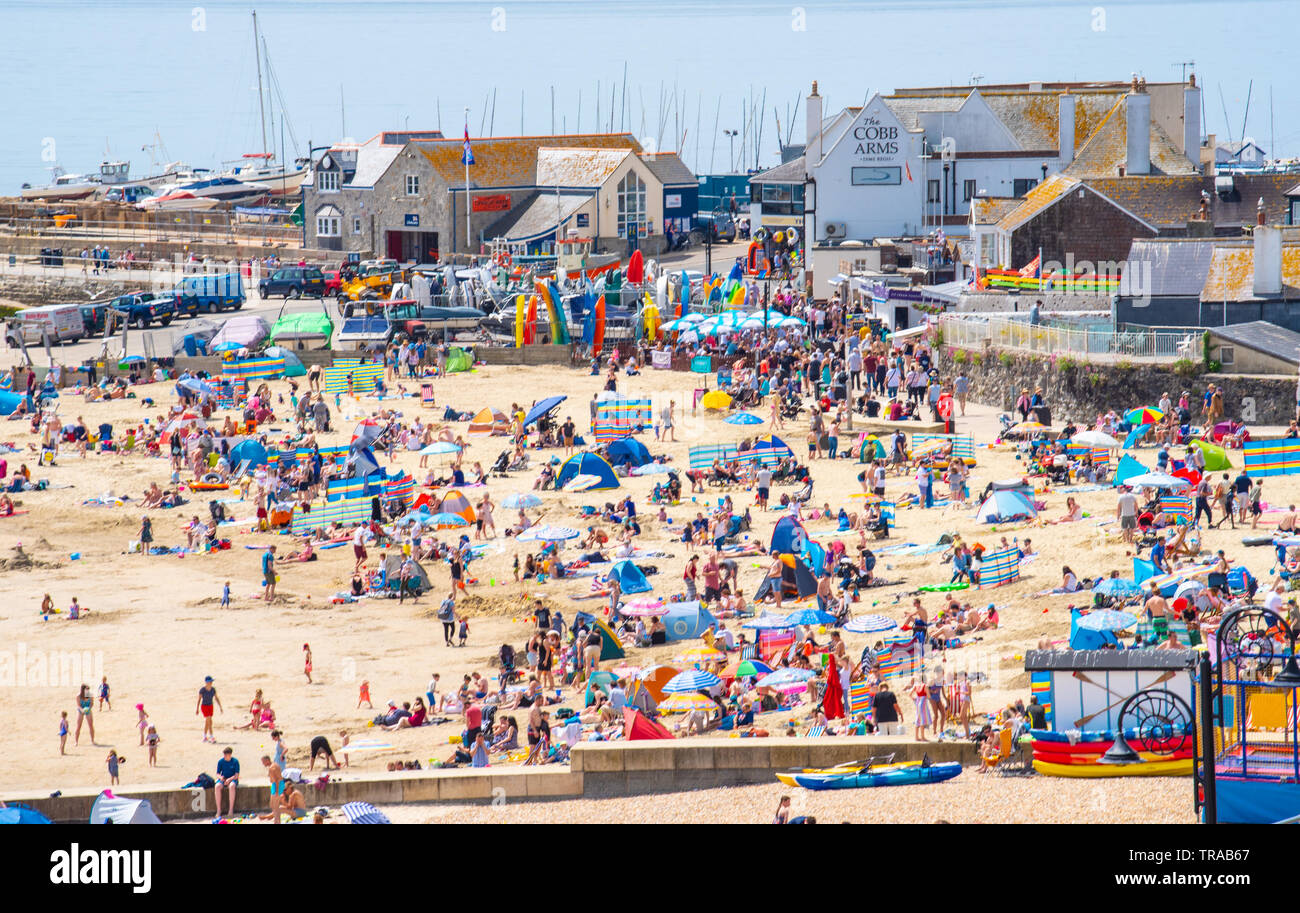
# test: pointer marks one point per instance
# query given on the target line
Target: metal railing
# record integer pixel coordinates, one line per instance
(175, 226)
(1129, 343)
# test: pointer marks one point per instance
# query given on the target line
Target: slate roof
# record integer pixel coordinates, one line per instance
(1101, 660)
(669, 168)
(791, 172)
(1171, 201)
(1262, 336)
(1177, 267)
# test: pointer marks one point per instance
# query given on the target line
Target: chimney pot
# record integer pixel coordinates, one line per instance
(1259, 212)
(1191, 80)
(814, 89)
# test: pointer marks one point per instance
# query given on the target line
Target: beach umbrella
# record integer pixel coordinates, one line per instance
(549, 534)
(582, 482)
(676, 326)
(752, 323)
(364, 813)
(701, 655)
(752, 667)
(543, 408)
(520, 501)
(652, 469)
(694, 318)
(743, 418)
(787, 676)
(1107, 620)
(228, 346)
(769, 622)
(685, 703)
(689, 337)
(1156, 480)
(445, 520)
(870, 624)
(439, 447)
(642, 608)
(810, 617)
(1118, 587)
(1094, 439)
(715, 399)
(1188, 589)
(928, 447)
(691, 680)
(1026, 428)
(790, 322)
(1143, 415)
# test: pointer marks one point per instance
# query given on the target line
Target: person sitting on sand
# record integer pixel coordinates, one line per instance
(290, 802)
(6, 506)
(1073, 512)
(254, 712)
(418, 714)
(306, 553)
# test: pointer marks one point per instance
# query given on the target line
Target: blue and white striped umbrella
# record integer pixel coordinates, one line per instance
(1107, 620)
(690, 681)
(681, 323)
(871, 624)
(364, 813)
(549, 534)
(767, 621)
(743, 418)
(787, 676)
(521, 500)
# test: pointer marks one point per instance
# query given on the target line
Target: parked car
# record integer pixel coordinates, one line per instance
(333, 281)
(208, 294)
(93, 316)
(293, 282)
(140, 309)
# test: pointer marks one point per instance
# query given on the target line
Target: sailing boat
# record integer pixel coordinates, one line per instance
(283, 179)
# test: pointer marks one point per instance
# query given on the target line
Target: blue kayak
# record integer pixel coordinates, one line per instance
(906, 774)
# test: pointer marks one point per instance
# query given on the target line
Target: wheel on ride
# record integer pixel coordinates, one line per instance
(1161, 719)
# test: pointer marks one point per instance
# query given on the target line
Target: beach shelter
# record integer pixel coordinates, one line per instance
(111, 809)
(610, 646)
(655, 679)
(1128, 468)
(489, 421)
(248, 453)
(293, 366)
(455, 502)
(630, 578)
(788, 536)
(588, 464)
(797, 581)
(21, 814)
(1135, 435)
(1215, 456)
(628, 452)
(1004, 506)
(871, 449)
(393, 574)
(686, 620)
(637, 727)
(10, 401)
(458, 360)
(1085, 639)
(246, 331)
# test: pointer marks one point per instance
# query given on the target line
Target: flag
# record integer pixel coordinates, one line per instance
(1031, 269)
(467, 157)
(909, 171)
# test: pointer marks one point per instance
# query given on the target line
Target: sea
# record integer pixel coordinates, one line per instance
(150, 81)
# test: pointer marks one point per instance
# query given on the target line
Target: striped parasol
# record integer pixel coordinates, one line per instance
(685, 703)
(871, 624)
(520, 501)
(787, 676)
(691, 680)
(548, 534)
(701, 655)
(364, 813)
(925, 448)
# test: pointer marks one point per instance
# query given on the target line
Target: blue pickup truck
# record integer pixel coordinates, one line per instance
(140, 309)
(208, 294)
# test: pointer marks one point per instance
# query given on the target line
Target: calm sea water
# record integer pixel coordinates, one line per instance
(80, 78)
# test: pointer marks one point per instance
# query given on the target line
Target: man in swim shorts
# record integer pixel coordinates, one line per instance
(207, 696)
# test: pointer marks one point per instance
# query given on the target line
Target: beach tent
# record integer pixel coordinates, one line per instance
(456, 503)
(637, 727)
(814, 556)
(871, 449)
(629, 577)
(1215, 456)
(588, 464)
(293, 366)
(628, 452)
(1084, 639)
(393, 574)
(610, 646)
(1128, 468)
(489, 421)
(788, 536)
(245, 331)
(303, 327)
(797, 581)
(654, 680)
(686, 620)
(21, 814)
(248, 453)
(1135, 435)
(111, 809)
(10, 401)
(1004, 506)
(459, 360)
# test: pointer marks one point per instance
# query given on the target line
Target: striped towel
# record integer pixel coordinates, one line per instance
(363, 377)
(963, 445)
(703, 457)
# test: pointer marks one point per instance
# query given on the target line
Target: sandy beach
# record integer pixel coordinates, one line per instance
(156, 627)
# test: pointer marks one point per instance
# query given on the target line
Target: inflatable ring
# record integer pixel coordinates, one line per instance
(211, 479)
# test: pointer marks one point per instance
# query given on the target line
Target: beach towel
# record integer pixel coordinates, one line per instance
(963, 446)
(772, 642)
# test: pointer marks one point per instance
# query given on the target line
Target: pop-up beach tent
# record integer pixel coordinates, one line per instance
(628, 451)
(797, 582)
(610, 646)
(686, 620)
(111, 809)
(588, 464)
(1005, 506)
(629, 577)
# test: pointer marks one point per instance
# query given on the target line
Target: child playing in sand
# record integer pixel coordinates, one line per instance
(306, 648)
(225, 595)
(113, 764)
(344, 739)
(363, 696)
(153, 739)
(464, 630)
(103, 693)
(63, 733)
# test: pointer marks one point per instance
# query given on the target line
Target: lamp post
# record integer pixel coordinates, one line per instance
(731, 136)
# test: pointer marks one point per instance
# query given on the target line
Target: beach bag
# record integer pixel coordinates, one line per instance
(202, 781)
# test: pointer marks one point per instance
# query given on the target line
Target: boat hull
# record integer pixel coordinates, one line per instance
(1179, 768)
(892, 775)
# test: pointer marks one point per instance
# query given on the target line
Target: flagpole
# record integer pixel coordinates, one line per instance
(468, 235)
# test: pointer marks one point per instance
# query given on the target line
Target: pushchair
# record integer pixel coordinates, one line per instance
(502, 463)
(509, 674)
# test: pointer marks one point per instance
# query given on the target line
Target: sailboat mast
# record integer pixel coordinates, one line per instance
(261, 105)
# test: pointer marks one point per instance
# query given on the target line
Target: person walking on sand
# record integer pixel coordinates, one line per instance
(225, 595)
(113, 764)
(666, 421)
(774, 572)
(306, 649)
(208, 697)
(85, 713)
(268, 574)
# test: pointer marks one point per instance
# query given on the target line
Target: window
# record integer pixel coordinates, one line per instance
(412, 185)
(932, 194)
(1022, 186)
(356, 226)
(863, 176)
(327, 181)
(1227, 356)
(968, 190)
(782, 199)
(327, 226)
(631, 203)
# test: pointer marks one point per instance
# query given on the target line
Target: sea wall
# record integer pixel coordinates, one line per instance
(1079, 390)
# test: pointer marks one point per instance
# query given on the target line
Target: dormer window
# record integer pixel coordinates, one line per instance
(327, 181)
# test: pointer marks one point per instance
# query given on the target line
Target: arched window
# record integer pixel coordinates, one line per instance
(631, 203)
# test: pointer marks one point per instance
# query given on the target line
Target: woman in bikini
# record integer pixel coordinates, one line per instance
(254, 712)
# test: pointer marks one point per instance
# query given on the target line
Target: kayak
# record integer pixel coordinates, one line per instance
(1082, 737)
(911, 772)
(1052, 750)
(1180, 768)
(1180, 755)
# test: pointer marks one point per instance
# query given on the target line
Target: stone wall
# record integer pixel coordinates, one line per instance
(1080, 390)
(997, 302)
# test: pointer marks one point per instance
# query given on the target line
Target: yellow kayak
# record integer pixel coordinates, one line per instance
(1149, 769)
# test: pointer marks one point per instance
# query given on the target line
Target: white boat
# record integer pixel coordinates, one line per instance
(182, 200)
(208, 192)
(283, 180)
(63, 187)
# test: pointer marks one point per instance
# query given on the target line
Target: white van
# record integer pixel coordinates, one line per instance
(62, 323)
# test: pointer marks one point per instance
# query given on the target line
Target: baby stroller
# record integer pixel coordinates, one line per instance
(502, 463)
(509, 674)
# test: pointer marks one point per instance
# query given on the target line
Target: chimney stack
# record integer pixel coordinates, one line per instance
(1267, 282)
(1137, 109)
(1192, 121)
(813, 128)
(1065, 124)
